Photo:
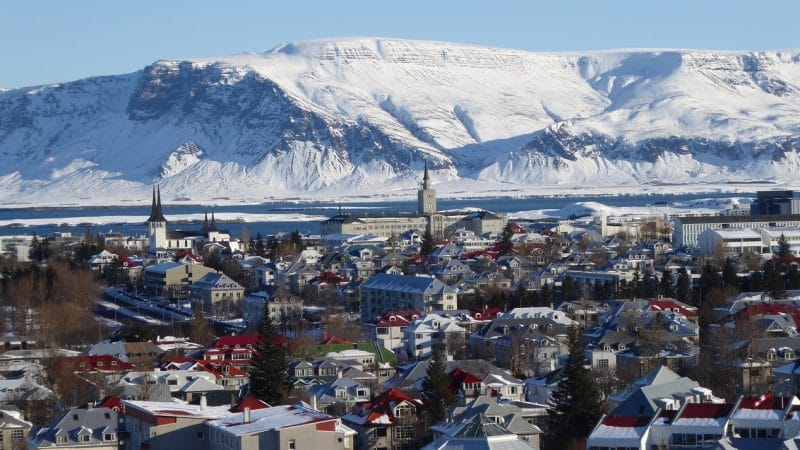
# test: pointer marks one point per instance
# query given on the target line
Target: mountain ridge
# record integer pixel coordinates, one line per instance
(311, 119)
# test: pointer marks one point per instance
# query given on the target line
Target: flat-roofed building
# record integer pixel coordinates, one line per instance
(384, 292)
(688, 228)
(729, 241)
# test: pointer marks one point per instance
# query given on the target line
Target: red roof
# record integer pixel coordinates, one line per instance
(705, 410)
(485, 314)
(242, 341)
(626, 421)
(671, 305)
(765, 401)
(112, 402)
(458, 377)
(761, 309)
(384, 405)
(249, 402)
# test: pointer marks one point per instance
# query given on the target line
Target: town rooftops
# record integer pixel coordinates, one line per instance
(216, 281)
(278, 417)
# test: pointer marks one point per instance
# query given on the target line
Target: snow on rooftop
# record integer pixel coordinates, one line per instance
(274, 418)
(181, 409)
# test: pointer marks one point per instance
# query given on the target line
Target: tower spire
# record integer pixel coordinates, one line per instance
(205, 222)
(213, 226)
(155, 211)
(152, 206)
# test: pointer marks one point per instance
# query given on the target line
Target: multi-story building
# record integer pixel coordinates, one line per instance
(283, 307)
(384, 292)
(389, 329)
(172, 278)
(213, 288)
(688, 228)
(775, 202)
(435, 330)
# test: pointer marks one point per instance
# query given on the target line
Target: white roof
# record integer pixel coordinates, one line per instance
(737, 233)
(274, 418)
(177, 408)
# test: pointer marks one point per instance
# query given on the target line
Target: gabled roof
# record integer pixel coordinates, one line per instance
(249, 402)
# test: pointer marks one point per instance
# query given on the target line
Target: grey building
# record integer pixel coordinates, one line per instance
(384, 293)
(775, 202)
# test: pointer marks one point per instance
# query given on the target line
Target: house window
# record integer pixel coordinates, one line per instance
(291, 444)
(108, 437)
(85, 438)
(602, 364)
(61, 439)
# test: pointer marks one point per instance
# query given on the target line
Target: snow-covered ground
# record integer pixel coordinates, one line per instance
(701, 206)
(105, 220)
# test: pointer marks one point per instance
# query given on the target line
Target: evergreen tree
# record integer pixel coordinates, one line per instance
(547, 295)
(201, 332)
(730, 273)
(773, 279)
(568, 290)
(576, 405)
(268, 377)
(784, 249)
(427, 243)
(684, 289)
(506, 247)
(436, 394)
(667, 286)
(649, 285)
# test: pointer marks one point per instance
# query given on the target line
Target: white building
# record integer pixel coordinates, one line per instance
(430, 331)
(730, 241)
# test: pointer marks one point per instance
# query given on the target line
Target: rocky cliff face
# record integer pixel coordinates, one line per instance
(362, 116)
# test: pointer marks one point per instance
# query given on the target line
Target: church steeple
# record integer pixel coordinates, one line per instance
(426, 181)
(155, 209)
(213, 226)
(205, 223)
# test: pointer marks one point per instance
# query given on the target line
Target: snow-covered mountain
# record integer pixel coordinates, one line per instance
(361, 117)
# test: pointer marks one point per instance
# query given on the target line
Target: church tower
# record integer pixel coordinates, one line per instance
(157, 223)
(426, 197)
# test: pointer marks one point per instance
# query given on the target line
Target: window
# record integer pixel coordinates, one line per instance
(61, 439)
(602, 364)
(291, 444)
(85, 438)
(108, 437)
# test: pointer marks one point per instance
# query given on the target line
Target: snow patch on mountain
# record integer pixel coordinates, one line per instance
(362, 117)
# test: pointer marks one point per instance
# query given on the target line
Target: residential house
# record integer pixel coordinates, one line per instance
(94, 428)
(432, 331)
(476, 432)
(171, 279)
(389, 421)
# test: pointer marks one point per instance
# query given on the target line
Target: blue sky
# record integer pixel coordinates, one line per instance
(52, 41)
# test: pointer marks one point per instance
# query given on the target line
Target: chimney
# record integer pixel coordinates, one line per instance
(203, 402)
(314, 402)
(339, 373)
(246, 415)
